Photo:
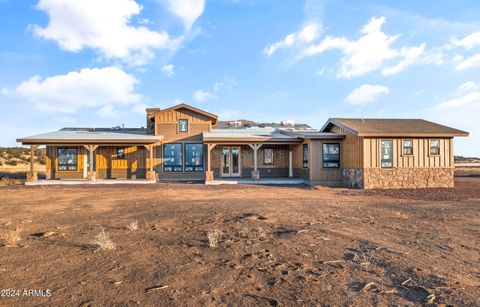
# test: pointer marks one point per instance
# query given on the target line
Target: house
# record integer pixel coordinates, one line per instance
(186, 143)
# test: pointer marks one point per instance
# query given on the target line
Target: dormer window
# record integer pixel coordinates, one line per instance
(183, 125)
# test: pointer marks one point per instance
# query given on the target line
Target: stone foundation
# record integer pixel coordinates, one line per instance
(32, 176)
(91, 176)
(255, 175)
(353, 178)
(408, 178)
(209, 176)
(151, 175)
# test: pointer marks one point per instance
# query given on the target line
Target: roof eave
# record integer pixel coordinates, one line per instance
(421, 134)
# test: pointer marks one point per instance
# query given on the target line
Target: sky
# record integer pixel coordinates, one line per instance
(100, 63)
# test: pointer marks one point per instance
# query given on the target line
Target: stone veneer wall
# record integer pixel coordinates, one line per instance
(408, 178)
(353, 178)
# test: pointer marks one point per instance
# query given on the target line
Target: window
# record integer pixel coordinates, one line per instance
(387, 159)
(120, 153)
(331, 155)
(67, 159)
(194, 158)
(434, 147)
(305, 155)
(172, 158)
(183, 125)
(407, 147)
(268, 156)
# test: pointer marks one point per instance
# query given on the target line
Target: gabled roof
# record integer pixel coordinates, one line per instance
(392, 127)
(93, 136)
(184, 106)
(314, 134)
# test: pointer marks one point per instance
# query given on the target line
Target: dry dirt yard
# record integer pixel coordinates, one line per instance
(239, 245)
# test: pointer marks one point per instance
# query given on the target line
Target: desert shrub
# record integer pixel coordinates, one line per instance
(11, 163)
(10, 237)
(132, 226)
(6, 181)
(102, 241)
(1, 163)
(214, 237)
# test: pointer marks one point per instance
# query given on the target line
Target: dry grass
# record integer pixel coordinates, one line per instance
(5, 181)
(10, 237)
(102, 241)
(214, 237)
(132, 226)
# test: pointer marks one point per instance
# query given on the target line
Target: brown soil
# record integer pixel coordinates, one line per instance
(285, 246)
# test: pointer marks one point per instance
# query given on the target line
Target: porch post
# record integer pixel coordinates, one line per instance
(32, 175)
(255, 173)
(91, 173)
(151, 172)
(290, 162)
(209, 172)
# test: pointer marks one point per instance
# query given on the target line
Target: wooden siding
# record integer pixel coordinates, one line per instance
(317, 172)
(421, 157)
(166, 124)
(351, 155)
(51, 161)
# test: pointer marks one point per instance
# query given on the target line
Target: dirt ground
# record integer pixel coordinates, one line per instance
(286, 246)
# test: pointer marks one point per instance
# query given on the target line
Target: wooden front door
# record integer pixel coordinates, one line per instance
(231, 163)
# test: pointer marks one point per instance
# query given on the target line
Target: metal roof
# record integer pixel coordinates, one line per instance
(313, 134)
(250, 134)
(93, 136)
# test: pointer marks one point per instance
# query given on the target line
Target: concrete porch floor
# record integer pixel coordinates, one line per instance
(83, 181)
(265, 181)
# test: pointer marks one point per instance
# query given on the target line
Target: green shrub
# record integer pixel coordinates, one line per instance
(11, 162)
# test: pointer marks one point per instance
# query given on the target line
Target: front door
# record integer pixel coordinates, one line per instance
(230, 161)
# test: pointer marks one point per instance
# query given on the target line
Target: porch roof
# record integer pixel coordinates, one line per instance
(248, 135)
(93, 136)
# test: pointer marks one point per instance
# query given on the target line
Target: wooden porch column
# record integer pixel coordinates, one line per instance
(209, 173)
(151, 172)
(290, 162)
(32, 175)
(91, 173)
(255, 147)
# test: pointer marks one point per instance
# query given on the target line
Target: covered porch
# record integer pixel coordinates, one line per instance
(264, 181)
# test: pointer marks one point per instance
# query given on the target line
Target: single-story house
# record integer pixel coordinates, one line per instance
(186, 143)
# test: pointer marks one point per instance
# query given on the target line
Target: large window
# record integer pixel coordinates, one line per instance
(67, 159)
(183, 125)
(387, 151)
(120, 153)
(331, 155)
(172, 158)
(434, 147)
(305, 156)
(194, 158)
(407, 147)
(268, 155)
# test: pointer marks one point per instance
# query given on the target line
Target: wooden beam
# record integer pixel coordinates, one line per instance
(32, 157)
(151, 158)
(255, 147)
(209, 158)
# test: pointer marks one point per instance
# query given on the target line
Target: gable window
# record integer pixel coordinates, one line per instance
(183, 125)
(407, 147)
(331, 155)
(387, 154)
(67, 159)
(305, 155)
(434, 147)
(120, 153)
(172, 158)
(194, 158)
(268, 156)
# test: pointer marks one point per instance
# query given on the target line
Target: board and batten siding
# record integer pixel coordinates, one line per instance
(166, 124)
(318, 174)
(421, 157)
(51, 163)
(351, 155)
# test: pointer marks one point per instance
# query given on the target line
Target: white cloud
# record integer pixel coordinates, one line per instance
(168, 69)
(186, 10)
(370, 52)
(104, 26)
(365, 94)
(468, 42)
(468, 86)
(87, 88)
(469, 62)
(470, 100)
(202, 96)
(306, 35)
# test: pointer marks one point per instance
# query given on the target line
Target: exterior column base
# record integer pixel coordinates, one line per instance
(91, 176)
(32, 176)
(48, 174)
(255, 175)
(151, 175)
(209, 176)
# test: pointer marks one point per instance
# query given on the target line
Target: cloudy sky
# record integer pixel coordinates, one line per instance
(99, 63)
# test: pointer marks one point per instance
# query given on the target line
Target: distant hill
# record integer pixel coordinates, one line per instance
(462, 159)
(18, 156)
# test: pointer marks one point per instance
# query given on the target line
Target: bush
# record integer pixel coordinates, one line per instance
(11, 162)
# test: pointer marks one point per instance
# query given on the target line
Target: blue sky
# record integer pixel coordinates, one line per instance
(100, 63)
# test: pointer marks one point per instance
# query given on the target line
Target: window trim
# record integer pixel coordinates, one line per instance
(305, 163)
(381, 154)
(403, 147)
(76, 160)
(323, 156)
(194, 166)
(116, 153)
(172, 166)
(430, 147)
(273, 156)
(179, 125)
